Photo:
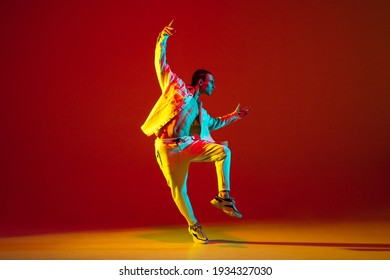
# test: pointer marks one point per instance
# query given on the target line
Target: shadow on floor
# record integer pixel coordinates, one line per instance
(347, 246)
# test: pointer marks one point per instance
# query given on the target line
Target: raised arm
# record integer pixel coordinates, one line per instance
(163, 71)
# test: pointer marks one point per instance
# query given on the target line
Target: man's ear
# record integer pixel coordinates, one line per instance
(200, 82)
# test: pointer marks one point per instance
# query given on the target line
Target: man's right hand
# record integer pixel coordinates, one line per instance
(168, 30)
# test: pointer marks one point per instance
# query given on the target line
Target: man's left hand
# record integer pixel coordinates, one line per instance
(242, 112)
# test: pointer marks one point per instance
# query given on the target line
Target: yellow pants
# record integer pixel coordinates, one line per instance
(174, 159)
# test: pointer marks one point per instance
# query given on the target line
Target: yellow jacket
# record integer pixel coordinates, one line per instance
(175, 96)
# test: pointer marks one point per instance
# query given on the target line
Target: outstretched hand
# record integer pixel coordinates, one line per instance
(242, 112)
(168, 30)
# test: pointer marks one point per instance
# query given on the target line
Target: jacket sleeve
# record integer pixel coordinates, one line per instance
(163, 71)
(168, 80)
(219, 122)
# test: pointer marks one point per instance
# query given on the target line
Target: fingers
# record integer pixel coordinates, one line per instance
(247, 109)
(169, 30)
(243, 112)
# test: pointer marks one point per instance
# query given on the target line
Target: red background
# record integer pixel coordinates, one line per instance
(77, 82)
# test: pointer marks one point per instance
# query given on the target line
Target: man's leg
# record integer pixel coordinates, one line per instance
(203, 151)
(175, 169)
(177, 181)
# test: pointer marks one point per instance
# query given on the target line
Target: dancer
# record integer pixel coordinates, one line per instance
(182, 127)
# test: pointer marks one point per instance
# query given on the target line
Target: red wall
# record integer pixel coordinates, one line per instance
(77, 81)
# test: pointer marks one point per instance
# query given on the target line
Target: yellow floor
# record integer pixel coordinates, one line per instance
(235, 241)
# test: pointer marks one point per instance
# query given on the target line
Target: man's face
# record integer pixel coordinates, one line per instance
(208, 85)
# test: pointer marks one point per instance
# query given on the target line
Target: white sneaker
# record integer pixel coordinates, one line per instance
(227, 205)
(198, 235)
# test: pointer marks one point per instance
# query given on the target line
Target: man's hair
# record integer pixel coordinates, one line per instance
(199, 74)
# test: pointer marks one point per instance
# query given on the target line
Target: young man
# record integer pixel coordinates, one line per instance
(182, 127)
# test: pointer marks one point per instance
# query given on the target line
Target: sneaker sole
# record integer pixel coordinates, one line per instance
(196, 240)
(231, 214)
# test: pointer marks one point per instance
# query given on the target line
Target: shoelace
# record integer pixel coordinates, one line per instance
(196, 227)
(229, 199)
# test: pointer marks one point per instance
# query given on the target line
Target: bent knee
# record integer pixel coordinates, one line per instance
(223, 153)
(178, 193)
(225, 150)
